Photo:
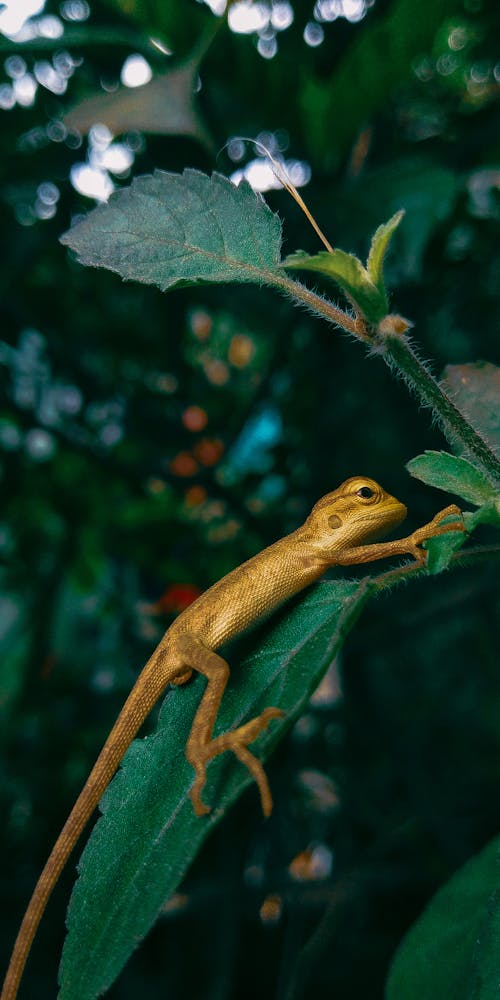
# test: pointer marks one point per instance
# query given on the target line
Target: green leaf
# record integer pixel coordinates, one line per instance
(487, 953)
(454, 475)
(348, 271)
(489, 513)
(441, 548)
(475, 389)
(148, 834)
(453, 950)
(380, 242)
(167, 229)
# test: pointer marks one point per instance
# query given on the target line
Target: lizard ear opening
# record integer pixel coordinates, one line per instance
(334, 521)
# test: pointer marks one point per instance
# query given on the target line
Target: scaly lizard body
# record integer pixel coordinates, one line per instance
(337, 532)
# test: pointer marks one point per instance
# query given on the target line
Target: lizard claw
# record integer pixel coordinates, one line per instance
(435, 528)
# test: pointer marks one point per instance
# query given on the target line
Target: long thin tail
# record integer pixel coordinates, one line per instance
(145, 693)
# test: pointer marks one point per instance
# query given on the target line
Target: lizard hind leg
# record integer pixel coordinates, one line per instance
(201, 746)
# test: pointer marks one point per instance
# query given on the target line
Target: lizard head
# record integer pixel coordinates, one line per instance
(359, 511)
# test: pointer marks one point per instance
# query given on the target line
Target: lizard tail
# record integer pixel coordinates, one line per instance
(139, 703)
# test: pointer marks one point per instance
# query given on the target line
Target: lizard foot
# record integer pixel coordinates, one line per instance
(237, 741)
(434, 528)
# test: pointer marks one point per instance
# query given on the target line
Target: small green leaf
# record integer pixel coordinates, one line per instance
(380, 242)
(489, 513)
(454, 475)
(167, 229)
(441, 548)
(148, 834)
(453, 950)
(348, 271)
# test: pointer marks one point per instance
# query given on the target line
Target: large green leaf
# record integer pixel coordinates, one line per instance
(148, 834)
(453, 951)
(487, 953)
(166, 229)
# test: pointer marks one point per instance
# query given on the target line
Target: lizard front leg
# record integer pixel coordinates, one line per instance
(411, 545)
(201, 746)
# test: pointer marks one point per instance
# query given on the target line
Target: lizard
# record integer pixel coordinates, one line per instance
(340, 530)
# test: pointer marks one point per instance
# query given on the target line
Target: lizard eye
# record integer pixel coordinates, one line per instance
(365, 493)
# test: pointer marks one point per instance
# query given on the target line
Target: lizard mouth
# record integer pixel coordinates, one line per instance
(394, 514)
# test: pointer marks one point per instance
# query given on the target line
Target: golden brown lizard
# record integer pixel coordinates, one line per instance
(339, 531)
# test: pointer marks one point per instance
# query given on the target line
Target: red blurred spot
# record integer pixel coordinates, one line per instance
(177, 597)
(184, 465)
(208, 451)
(194, 418)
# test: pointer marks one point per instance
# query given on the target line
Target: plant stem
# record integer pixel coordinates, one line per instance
(399, 354)
(319, 305)
(460, 560)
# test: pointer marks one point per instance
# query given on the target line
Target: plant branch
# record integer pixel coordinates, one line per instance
(460, 560)
(399, 354)
(319, 305)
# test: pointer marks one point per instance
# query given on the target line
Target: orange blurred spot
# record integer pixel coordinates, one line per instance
(360, 151)
(194, 418)
(301, 868)
(208, 451)
(177, 597)
(310, 865)
(223, 532)
(47, 666)
(195, 495)
(241, 350)
(201, 324)
(177, 902)
(271, 909)
(216, 371)
(184, 465)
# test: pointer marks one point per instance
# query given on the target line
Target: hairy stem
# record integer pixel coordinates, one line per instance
(319, 305)
(468, 557)
(399, 354)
